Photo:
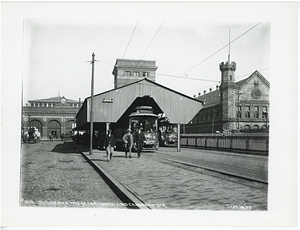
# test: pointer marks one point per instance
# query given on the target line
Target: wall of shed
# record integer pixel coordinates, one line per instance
(178, 108)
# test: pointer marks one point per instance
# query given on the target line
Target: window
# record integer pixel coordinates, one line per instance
(127, 73)
(136, 74)
(247, 112)
(265, 112)
(145, 74)
(256, 112)
(239, 113)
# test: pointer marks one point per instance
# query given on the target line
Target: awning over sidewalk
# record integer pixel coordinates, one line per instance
(111, 105)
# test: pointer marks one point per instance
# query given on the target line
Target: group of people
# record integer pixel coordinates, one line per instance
(130, 140)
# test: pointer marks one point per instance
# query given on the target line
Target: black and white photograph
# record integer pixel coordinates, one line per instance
(132, 109)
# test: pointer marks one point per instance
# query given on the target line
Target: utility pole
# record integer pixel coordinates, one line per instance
(238, 114)
(92, 111)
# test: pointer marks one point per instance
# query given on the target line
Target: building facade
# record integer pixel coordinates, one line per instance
(127, 71)
(55, 116)
(241, 106)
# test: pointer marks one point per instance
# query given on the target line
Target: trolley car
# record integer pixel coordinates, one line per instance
(144, 118)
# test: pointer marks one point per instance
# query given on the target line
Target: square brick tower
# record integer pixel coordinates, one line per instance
(127, 71)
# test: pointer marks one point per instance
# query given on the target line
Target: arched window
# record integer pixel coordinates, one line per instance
(256, 112)
(247, 112)
(37, 124)
(54, 128)
(247, 127)
(69, 126)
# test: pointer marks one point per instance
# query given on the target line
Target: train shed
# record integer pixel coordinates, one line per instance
(110, 106)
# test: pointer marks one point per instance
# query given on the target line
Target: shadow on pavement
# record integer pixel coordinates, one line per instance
(67, 147)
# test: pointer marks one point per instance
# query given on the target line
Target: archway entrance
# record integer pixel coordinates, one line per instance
(69, 127)
(38, 125)
(54, 129)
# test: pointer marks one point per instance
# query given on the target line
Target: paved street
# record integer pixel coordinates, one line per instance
(164, 186)
(54, 174)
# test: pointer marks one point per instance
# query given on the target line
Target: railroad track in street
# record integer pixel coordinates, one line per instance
(190, 163)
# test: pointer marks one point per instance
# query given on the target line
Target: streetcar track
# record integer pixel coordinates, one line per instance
(209, 172)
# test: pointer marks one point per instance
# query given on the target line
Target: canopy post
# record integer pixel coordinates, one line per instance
(178, 137)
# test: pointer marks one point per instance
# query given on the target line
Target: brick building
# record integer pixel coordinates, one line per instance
(234, 106)
(127, 71)
(55, 116)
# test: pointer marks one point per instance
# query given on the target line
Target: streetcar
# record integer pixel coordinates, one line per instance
(143, 117)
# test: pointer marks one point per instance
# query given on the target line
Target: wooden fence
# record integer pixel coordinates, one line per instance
(249, 143)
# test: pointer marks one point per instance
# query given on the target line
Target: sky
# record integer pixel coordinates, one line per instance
(57, 53)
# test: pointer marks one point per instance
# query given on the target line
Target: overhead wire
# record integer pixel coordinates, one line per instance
(49, 83)
(222, 48)
(142, 55)
(125, 50)
(199, 79)
(247, 74)
(145, 50)
(127, 46)
(185, 73)
(54, 61)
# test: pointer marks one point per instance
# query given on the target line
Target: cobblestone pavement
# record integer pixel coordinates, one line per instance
(55, 174)
(164, 186)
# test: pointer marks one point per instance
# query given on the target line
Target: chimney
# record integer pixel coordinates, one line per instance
(204, 91)
(210, 89)
(194, 95)
(199, 94)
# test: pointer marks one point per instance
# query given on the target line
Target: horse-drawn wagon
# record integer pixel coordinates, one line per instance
(32, 135)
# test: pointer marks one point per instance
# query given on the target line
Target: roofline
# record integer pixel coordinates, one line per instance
(259, 75)
(138, 60)
(146, 79)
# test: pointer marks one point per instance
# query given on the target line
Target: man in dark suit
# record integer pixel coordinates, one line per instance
(139, 139)
(109, 144)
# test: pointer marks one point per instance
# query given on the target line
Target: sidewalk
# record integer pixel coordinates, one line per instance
(155, 185)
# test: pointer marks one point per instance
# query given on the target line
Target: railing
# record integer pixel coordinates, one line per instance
(247, 143)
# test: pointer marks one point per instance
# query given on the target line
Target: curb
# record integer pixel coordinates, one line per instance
(123, 193)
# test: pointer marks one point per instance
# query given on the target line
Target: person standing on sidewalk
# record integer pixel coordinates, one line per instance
(128, 142)
(139, 139)
(109, 144)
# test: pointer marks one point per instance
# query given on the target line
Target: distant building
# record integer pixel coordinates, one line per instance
(234, 106)
(127, 71)
(55, 115)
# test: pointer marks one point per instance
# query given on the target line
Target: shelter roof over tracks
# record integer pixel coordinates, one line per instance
(114, 104)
